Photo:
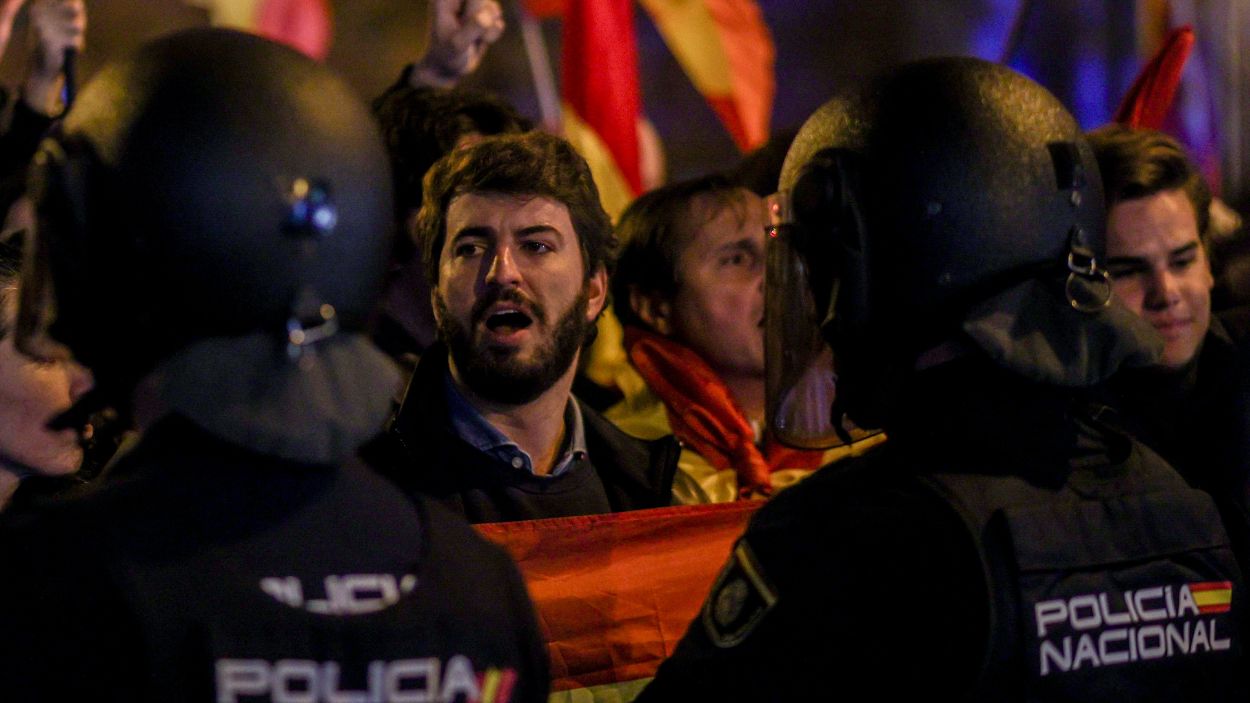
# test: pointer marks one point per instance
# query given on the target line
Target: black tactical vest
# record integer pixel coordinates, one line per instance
(204, 572)
(347, 637)
(1118, 587)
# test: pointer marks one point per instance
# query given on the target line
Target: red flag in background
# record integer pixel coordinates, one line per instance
(602, 102)
(304, 25)
(544, 9)
(1149, 100)
(615, 593)
(1174, 94)
(726, 49)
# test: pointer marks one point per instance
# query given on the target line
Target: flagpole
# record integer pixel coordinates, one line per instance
(1015, 36)
(540, 68)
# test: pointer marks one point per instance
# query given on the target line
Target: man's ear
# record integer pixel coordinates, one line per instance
(596, 293)
(436, 307)
(653, 308)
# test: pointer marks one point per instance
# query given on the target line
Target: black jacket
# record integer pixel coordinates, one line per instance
(200, 571)
(1196, 417)
(421, 452)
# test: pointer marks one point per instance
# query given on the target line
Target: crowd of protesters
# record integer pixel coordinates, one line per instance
(305, 413)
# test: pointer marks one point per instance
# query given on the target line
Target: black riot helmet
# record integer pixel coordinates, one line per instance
(215, 185)
(949, 201)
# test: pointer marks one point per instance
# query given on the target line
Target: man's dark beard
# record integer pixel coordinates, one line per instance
(494, 373)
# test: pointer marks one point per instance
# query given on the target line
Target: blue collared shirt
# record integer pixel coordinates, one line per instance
(470, 426)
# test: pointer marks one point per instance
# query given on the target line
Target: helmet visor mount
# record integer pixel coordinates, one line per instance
(800, 376)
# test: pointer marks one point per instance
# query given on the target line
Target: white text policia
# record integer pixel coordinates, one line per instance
(1150, 623)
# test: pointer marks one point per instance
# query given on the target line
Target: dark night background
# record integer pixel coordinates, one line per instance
(1087, 52)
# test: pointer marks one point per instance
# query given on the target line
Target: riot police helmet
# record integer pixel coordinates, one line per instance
(950, 200)
(214, 185)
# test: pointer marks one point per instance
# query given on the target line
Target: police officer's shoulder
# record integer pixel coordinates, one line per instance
(860, 511)
(447, 527)
(865, 531)
(826, 493)
(455, 554)
(59, 600)
(64, 514)
(456, 548)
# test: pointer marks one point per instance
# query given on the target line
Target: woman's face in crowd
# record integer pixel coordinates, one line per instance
(31, 394)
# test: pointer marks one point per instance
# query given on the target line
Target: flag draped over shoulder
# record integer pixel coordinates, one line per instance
(726, 49)
(615, 593)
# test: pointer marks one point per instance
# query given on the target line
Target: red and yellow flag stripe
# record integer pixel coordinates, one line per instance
(599, 82)
(1212, 596)
(615, 593)
(727, 50)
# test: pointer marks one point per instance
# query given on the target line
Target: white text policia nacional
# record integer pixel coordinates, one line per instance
(425, 680)
(1148, 623)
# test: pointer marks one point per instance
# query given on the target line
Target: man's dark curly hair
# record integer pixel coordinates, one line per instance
(420, 125)
(531, 164)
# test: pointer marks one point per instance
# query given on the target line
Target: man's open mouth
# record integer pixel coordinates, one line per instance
(508, 321)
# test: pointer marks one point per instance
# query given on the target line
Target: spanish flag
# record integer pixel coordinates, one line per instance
(1212, 596)
(615, 593)
(304, 25)
(726, 49)
(602, 101)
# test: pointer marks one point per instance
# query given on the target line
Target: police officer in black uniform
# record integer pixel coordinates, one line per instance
(212, 230)
(1003, 544)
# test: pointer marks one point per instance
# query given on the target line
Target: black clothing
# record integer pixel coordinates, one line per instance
(423, 455)
(1196, 417)
(201, 564)
(914, 572)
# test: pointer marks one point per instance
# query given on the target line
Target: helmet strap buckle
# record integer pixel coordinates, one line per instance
(311, 321)
(1088, 288)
